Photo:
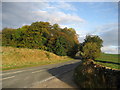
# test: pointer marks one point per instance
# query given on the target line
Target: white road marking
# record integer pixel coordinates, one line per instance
(16, 72)
(38, 71)
(21, 71)
(45, 80)
(48, 79)
(11, 72)
(53, 77)
(7, 78)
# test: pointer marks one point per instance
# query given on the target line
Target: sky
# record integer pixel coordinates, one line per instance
(93, 18)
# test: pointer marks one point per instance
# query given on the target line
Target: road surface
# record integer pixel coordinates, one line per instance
(30, 77)
(63, 81)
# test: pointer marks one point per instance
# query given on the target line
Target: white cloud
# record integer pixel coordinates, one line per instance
(59, 17)
(82, 34)
(110, 49)
(109, 34)
(60, 0)
(63, 26)
(106, 28)
(17, 13)
(110, 37)
(65, 5)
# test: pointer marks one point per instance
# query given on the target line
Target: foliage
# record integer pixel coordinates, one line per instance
(94, 38)
(91, 47)
(90, 75)
(60, 45)
(42, 35)
(90, 51)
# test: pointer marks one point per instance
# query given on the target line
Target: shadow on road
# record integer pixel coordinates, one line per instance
(107, 62)
(65, 73)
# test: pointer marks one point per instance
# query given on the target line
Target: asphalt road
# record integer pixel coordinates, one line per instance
(28, 77)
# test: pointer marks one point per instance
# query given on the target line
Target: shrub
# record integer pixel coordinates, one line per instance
(90, 51)
(91, 47)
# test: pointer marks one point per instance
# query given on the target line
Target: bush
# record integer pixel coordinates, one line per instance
(91, 47)
(90, 51)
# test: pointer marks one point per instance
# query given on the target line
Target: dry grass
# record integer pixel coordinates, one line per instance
(22, 57)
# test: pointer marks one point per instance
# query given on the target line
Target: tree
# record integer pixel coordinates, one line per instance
(73, 50)
(7, 37)
(59, 48)
(91, 47)
(42, 35)
(94, 38)
(90, 51)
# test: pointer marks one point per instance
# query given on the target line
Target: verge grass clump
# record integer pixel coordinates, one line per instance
(22, 57)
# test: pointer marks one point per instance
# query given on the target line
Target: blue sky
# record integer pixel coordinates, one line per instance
(97, 18)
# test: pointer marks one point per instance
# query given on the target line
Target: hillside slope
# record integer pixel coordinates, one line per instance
(22, 57)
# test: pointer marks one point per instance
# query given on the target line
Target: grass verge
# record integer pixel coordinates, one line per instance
(109, 60)
(14, 58)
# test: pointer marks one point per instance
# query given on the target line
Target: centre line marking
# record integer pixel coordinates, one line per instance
(12, 72)
(16, 72)
(7, 78)
(37, 71)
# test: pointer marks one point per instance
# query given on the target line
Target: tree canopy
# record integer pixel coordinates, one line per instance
(91, 47)
(94, 38)
(42, 35)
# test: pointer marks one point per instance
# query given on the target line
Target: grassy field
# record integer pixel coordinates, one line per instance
(13, 58)
(109, 60)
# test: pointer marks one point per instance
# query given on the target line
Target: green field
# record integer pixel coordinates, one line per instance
(109, 60)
